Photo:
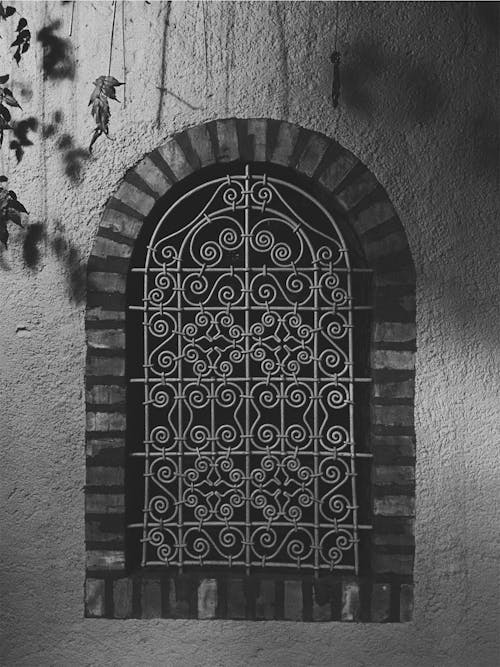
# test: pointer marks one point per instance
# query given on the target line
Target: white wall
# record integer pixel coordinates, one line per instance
(418, 109)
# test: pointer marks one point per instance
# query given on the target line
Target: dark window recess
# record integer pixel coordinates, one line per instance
(248, 334)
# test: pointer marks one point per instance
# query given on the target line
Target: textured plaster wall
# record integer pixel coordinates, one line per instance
(418, 109)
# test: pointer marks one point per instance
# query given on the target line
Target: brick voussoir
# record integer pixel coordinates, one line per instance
(156, 180)
(201, 144)
(124, 224)
(312, 154)
(336, 166)
(374, 215)
(227, 149)
(176, 161)
(354, 193)
(136, 199)
(285, 144)
(257, 135)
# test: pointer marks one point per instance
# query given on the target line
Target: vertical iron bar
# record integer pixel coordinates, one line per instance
(351, 420)
(180, 532)
(316, 433)
(146, 421)
(247, 370)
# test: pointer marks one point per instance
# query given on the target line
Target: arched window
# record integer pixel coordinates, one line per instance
(249, 385)
(250, 438)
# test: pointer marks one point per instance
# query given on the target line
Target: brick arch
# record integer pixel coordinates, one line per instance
(353, 191)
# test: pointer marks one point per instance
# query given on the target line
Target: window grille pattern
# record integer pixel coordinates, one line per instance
(249, 453)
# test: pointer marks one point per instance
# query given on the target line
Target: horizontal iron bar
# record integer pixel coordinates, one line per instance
(235, 452)
(269, 269)
(265, 380)
(253, 309)
(230, 524)
(242, 563)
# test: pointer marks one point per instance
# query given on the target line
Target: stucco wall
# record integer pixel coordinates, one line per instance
(418, 109)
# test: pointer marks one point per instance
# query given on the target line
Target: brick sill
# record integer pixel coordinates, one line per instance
(157, 594)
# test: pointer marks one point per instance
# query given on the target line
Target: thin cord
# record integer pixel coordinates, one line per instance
(112, 36)
(336, 25)
(123, 57)
(72, 17)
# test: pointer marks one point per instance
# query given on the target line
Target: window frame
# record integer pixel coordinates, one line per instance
(385, 592)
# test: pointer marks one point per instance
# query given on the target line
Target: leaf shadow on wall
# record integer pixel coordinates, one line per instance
(58, 58)
(38, 242)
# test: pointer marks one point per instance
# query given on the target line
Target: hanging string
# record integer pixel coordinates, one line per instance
(123, 57)
(112, 37)
(335, 59)
(72, 17)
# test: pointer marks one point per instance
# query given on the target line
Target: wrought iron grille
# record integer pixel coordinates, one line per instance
(249, 450)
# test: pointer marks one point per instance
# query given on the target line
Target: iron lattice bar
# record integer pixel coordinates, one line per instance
(248, 373)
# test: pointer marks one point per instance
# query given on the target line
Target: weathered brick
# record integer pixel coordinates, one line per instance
(121, 223)
(173, 155)
(257, 130)
(386, 276)
(394, 332)
(392, 563)
(104, 247)
(323, 611)
(387, 245)
(373, 216)
(104, 503)
(105, 366)
(105, 560)
(110, 449)
(381, 603)
(265, 604)
(236, 601)
(178, 599)
(227, 137)
(153, 176)
(104, 531)
(207, 598)
(350, 601)
(393, 474)
(293, 607)
(312, 154)
(106, 282)
(150, 598)
(340, 164)
(105, 394)
(105, 475)
(406, 603)
(94, 598)
(353, 193)
(136, 199)
(393, 539)
(122, 598)
(201, 144)
(393, 415)
(285, 144)
(404, 445)
(106, 421)
(106, 339)
(100, 314)
(403, 389)
(393, 359)
(394, 506)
